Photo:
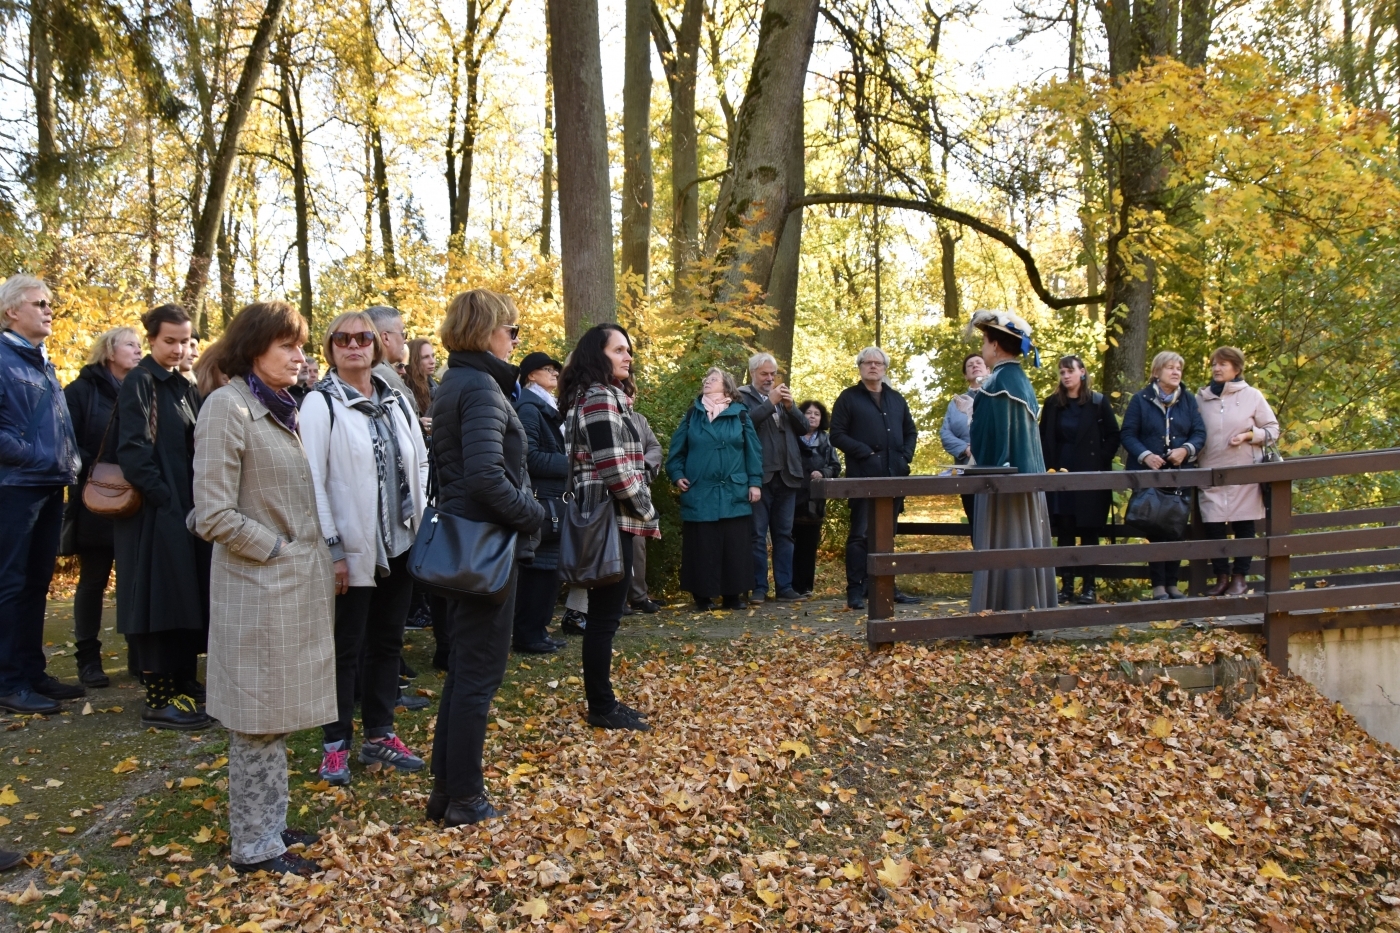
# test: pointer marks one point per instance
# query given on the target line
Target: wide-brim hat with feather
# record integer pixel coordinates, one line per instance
(1012, 324)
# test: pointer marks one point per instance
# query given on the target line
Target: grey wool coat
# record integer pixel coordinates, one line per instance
(271, 621)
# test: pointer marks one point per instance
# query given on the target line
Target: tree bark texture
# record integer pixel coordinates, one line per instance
(206, 231)
(948, 268)
(547, 170)
(381, 196)
(585, 209)
(46, 160)
(289, 101)
(787, 259)
(771, 112)
(637, 192)
(681, 61)
(228, 247)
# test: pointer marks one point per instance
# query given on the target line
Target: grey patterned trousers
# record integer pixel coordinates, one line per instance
(257, 796)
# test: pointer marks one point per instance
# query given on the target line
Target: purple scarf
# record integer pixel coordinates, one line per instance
(280, 405)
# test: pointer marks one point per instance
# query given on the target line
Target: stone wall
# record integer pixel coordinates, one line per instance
(1357, 667)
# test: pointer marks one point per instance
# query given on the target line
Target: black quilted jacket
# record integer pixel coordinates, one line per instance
(480, 446)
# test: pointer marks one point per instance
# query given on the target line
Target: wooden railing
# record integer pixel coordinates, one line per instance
(1344, 601)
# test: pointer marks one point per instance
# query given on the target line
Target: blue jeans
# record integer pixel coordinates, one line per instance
(772, 514)
(30, 519)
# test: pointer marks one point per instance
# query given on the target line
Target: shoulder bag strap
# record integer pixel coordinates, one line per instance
(330, 408)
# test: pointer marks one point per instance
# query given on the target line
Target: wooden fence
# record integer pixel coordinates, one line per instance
(1287, 604)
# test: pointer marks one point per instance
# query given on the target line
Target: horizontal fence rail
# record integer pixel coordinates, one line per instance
(1289, 543)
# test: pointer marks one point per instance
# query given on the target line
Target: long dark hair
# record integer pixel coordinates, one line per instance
(414, 376)
(1086, 387)
(589, 364)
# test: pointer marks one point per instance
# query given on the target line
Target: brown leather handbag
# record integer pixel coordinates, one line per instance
(106, 492)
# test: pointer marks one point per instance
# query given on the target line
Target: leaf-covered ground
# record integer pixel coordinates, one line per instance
(799, 782)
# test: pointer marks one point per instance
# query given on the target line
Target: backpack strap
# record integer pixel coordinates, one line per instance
(330, 408)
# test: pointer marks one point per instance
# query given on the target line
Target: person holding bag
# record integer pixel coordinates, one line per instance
(1163, 428)
(370, 469)
(716, 462)
(480, 449)
(162, 568)
(607, 469)
(1239, 424)
(92, 398)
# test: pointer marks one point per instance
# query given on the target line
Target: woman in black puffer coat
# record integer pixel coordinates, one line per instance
(538, 585)
(480, 448)
(91, 398)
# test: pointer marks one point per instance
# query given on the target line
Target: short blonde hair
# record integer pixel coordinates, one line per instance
(365, 321)
(12, 292)
(1165, 357)
(1231, 355)
(105, 346)
(472, 317)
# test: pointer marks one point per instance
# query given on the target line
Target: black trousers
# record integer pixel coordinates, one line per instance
(805, 540)
(30, 521)
(857, 543)
(1066, 533)
(369, 624)
(1163, 572)
(174, 652)
(479, 631)
(536, 592)
(1218, 531)
(94, 570)
(604, 612)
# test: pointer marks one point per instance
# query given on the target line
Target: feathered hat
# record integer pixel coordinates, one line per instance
(1007, 323)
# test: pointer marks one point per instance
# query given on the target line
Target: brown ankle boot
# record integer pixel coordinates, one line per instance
(1222, 583)
(1238, 586)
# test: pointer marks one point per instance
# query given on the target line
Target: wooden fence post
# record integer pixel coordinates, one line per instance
(880, 594)
(1277, 574)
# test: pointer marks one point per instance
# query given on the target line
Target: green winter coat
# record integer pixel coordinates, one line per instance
(721, 458)
(1004, 429)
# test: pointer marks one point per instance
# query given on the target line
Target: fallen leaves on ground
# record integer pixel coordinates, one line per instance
(797, 783)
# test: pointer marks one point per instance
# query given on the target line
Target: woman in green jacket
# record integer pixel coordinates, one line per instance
(717, 464)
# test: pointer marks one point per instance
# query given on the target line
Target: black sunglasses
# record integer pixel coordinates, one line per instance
(514, 330)
(364, 338)
(42, 303)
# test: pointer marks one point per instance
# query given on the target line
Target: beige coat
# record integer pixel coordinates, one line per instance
(1239, 408)
(271, 621)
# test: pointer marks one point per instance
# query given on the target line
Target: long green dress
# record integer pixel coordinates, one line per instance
(1004, 433)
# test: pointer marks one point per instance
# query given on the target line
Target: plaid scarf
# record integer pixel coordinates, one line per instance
(383, 440)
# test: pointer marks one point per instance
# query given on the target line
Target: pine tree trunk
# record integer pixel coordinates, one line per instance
(762, 171)
(636, 145)
(206, 231)
(585, 210)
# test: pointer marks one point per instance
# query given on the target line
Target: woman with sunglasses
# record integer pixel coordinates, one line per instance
(369, 467)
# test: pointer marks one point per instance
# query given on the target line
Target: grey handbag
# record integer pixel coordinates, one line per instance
(590, 546)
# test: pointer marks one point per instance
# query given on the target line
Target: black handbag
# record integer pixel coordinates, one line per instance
(590, 547)
(1160, 514)
(456, 557)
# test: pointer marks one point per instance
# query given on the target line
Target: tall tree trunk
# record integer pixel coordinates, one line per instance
(681, 63)
(454, 96)
(762, 171)
(206, 231)
(381, 194)
(152, 215)
(547, 172)
(948, 268)
(46, 161)
(787, 259)
(585, 209)
(636, 144)
(289, 101)
(228, 246)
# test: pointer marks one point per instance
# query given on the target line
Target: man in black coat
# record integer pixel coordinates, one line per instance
(778, 424)
(871, 425)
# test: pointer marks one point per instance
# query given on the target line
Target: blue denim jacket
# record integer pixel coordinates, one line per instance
(37, 444)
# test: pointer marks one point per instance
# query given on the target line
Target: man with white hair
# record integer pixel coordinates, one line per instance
(871, 425)
(389, 322)
(39, 456)
(779, 424)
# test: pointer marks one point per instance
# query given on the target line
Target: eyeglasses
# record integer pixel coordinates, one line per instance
(364, 338)
(42, 303)
(513, 330)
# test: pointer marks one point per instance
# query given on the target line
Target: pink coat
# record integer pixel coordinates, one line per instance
(1240, 407)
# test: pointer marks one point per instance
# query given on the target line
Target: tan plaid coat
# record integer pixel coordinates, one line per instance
(271, 622)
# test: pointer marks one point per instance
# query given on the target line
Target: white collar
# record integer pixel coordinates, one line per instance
(538, 390)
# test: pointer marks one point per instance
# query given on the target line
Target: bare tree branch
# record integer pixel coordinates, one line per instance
(958, 217)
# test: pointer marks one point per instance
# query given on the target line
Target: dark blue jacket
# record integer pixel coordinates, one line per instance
(37, 444)
(1149, 429)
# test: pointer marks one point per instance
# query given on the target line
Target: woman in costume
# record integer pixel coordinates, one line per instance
(1004, 433)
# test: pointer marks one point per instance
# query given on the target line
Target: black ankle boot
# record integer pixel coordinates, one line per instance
(437, 805)
(467, 811)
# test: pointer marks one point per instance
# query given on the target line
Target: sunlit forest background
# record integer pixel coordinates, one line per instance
(1171, 174)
